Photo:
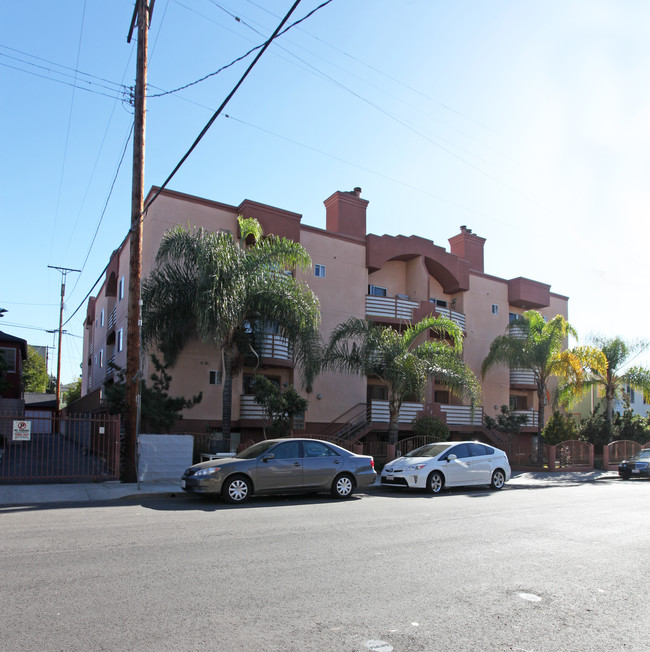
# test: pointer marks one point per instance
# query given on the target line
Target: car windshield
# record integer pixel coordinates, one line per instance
(643, 454)
(430, 450)
(255, 450)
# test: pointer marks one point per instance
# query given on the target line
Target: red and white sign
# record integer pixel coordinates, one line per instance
(22, 430)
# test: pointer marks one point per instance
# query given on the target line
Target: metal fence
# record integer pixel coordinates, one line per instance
(405, 446)
(52, 448)
(574, 454)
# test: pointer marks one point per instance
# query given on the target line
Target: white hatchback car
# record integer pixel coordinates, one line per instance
(448, 464)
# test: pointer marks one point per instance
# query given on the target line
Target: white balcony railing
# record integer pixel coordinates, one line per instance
(112, 318)
(390, 307)
(379, 412)
(274, 346)
(395, 308)
(463, 415)
(457, 317)
(249, 409)
(522, 377)
(532, 420)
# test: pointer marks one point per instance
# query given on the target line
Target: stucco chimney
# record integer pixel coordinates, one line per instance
(469, 247)
(346, 213)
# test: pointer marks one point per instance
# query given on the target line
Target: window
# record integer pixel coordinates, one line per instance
(441, 396)
(479, 450)
(101, 357)
(495, 309)
(441, 303)
(316, 449)
(513, 316)
(518, 402)
(215, 378)
(120, 340)
(120, 290)
(377, 393)
(9, 356)
(459, 451)
(319, 270)
(249, 379)
(377, 291)
(101, 318)
(287, 451)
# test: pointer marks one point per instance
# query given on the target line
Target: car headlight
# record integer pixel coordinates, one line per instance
(208, 471)
(415, 467)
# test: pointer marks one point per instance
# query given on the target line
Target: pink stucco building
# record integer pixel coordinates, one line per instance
(390, 279)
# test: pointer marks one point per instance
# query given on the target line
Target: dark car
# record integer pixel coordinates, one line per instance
(282, 466)
(638, 466)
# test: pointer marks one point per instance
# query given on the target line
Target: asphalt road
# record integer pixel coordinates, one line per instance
(533, 567)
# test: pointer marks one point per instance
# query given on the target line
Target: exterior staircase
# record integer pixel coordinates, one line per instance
(350, 426)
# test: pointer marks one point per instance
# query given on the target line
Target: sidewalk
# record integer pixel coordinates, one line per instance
(557, 478)
(41, 494)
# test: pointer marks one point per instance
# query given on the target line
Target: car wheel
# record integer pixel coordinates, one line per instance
(343, 487)
(498, 479)
(435, 482)
(236, 490)
(626, 476)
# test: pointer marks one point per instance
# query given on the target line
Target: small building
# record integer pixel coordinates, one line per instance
(13, 350)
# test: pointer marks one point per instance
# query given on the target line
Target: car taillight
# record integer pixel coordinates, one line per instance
(372, 462)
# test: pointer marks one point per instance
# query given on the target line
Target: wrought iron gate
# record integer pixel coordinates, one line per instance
(53, 448)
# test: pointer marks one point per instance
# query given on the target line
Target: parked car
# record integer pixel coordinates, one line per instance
(282, 466)
(448, 464)
(638, 466)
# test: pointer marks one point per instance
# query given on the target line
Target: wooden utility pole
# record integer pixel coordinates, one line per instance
(64, 272)
(141, 16)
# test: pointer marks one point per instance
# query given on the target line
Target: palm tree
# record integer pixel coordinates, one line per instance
(534, 344)
(609, 377)
(403, 366)
(210, 287)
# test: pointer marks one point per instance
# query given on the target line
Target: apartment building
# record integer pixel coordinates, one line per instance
(389, 279)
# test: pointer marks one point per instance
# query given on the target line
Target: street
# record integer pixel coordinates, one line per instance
(537, 567)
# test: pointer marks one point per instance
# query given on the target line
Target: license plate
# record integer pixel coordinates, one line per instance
(182, 484)
(389, 476)
(636, 471)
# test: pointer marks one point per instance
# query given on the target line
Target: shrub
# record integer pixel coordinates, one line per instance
(559, 428)
(431, 426)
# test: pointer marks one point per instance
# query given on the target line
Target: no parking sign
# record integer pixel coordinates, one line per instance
(22, 430)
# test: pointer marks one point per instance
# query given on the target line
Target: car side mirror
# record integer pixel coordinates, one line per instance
(268, 457)
(451, 458)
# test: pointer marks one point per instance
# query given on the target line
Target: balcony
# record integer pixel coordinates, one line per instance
(532, 420)
(250, 409)
(462, 415)
(395, 308)
(524, 377)
(112, 318)
(390, 307)
(379, 412)
(456, 317)
(274, 346)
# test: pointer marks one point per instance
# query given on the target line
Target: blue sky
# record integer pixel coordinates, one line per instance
(526, 121)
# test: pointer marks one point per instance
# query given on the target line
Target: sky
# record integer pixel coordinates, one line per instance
(525, 121)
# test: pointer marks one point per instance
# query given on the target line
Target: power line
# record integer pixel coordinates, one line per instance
(225, 102)
(61, 81)
(58, 65)
(110, 192)
(243, 56)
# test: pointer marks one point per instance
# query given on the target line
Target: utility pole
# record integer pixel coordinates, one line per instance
(64, 272)
(142, 16)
